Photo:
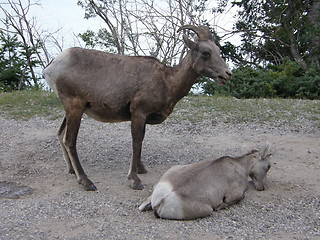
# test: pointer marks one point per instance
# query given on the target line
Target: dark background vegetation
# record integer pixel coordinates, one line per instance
(278, 55)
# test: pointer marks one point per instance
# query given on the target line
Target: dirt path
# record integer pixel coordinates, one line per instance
(56, 207)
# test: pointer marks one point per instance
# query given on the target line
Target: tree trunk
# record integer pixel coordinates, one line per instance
(296, 55)
(314, 16)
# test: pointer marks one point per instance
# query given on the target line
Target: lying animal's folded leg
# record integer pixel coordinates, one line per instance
(146, 205)
(233, 197)
(193, 208)
(222, 205)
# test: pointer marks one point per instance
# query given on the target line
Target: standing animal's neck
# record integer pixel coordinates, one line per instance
(182, 79)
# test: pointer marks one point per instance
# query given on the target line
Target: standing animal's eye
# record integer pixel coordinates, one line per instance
(206, 54)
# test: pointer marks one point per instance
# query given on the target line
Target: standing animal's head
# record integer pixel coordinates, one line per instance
(260, 168)
(206, 58)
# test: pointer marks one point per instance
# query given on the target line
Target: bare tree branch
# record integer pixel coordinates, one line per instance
(147, 26)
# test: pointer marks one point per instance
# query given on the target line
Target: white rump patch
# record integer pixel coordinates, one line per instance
(167, 203)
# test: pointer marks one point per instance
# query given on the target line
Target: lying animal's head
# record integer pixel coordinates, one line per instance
(206, 55)
(260, 168)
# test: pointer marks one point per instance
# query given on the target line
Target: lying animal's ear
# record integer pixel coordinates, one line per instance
(189, 43)
(265, 153)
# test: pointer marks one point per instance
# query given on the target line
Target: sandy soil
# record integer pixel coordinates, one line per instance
(52, 205)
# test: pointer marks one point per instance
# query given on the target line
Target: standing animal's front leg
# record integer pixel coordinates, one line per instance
(138, 127)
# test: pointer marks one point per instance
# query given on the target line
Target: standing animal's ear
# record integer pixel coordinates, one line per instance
(189, 43)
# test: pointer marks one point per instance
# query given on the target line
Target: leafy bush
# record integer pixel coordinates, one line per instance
(287, 80)
(309, 83)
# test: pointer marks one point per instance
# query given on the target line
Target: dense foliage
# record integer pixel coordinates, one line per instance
(276, 30)
(15, 60)
(12, 70)
(279, 54)
(287, 80)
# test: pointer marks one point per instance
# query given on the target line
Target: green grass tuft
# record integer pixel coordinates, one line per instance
(212, 110)
(29, 104)
(232, 110)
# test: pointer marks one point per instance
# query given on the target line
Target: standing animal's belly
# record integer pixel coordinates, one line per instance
(155, 118)
(104, 113)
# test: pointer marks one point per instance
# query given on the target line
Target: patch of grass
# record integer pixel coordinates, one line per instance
(212, 110)
(232, 110)
(29, 104)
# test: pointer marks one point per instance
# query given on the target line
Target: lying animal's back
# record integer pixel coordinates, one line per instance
(218, 172)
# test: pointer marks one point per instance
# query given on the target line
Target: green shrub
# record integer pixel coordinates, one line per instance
(246, 82)
(309, 83)
(287, 80)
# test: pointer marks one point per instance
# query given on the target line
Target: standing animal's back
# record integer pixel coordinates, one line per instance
(94, 69)
(114, 67)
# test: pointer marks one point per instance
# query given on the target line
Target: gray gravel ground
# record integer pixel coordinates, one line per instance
(54, 206)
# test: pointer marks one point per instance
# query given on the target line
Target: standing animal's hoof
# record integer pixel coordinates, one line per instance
(90, 188)
(135, 181)
(138, 186)
(87, 185)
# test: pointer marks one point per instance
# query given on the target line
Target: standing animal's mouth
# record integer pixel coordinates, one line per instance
(220, 80)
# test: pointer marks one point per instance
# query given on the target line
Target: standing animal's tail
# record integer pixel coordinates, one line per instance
(46, 67)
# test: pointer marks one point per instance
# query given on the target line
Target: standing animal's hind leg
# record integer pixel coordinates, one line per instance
(61, 133)
(141, 169)
(138, 126)
(74, 113)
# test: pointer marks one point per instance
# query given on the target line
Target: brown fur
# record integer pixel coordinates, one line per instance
(113, 88)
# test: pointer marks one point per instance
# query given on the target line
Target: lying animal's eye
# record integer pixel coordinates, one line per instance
(206, 54)
(268, 167)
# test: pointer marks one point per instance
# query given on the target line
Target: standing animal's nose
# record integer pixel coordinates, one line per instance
(228, 72)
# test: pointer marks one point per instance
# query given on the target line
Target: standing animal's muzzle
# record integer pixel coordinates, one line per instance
(223, 78)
